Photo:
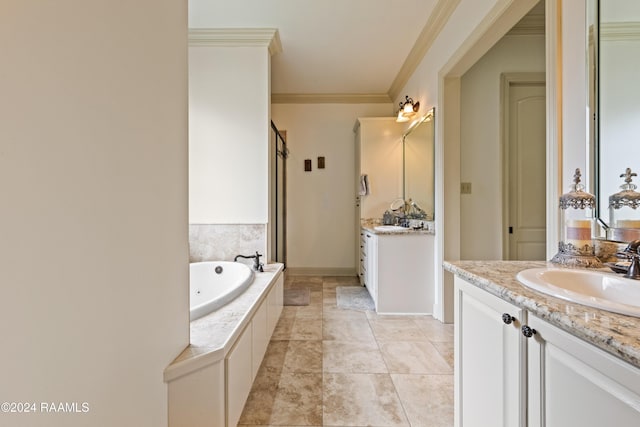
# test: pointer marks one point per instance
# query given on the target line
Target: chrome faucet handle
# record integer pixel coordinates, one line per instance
(633, 272)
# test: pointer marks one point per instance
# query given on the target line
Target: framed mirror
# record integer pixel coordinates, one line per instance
(613, 56)
(418, 163)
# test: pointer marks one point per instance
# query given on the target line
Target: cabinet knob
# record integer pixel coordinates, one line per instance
(508, 319)
(528, 331)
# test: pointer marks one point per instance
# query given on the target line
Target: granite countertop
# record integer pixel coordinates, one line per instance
(371, 224)
(615, 333)
(213, 335)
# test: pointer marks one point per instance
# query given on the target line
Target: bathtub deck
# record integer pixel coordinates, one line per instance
(213, 335)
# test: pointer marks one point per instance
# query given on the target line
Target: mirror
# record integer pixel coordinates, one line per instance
(613, 35)
(418, 163)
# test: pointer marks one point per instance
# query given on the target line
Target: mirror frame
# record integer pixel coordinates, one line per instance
(592, 27)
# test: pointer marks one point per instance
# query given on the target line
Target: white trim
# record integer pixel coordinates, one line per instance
(330, 98)
(436, 22)
(320, 271)
(553, 48)
(620, 31)
(236, 37)
(530, 25)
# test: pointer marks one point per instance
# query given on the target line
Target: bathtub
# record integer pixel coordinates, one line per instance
(214, 284)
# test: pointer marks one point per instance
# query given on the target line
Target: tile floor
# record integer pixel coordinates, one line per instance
(326, 366)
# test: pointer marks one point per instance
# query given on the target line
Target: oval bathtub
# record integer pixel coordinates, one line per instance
(213, 284)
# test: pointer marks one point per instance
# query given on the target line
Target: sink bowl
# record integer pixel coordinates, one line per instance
(390, 228)
(597, 289)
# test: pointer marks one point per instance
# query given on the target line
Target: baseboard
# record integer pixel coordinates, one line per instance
(315, 271)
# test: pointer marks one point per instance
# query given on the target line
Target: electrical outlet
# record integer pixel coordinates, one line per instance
(465, 188)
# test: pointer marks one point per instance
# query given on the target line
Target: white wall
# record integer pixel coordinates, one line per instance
(228, 135)
(321, 203)
(93, 177)
(481, 158)
(472, 29)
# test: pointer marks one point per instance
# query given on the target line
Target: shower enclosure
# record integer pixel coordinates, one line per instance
(278, 223)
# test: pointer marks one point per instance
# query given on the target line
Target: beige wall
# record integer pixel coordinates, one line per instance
(93, 177)
(228, 135)
(321, 203)
(480, 146)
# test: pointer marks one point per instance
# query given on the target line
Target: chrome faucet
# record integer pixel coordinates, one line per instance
(257, 265)
(632, 253)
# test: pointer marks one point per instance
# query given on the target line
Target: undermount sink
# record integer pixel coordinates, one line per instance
(597, 289)
(390, 228)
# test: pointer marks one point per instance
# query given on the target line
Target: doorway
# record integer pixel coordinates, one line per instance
(524, 159)
(279, 153)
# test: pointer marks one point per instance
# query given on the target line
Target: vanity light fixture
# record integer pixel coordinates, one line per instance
(408, 109)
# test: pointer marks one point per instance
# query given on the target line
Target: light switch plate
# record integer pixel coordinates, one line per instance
(465, 188)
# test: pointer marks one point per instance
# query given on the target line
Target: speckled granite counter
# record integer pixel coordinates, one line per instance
(213, 335)
(370, 226)
(614, 333)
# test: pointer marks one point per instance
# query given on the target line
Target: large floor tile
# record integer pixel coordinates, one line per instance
(296, 400)
(427, 399)
(395, 329)
(346, 330)
(413, 357)
(352, 357)
(361, 400)
(284, 328)
(434, 330)
(303, 357)
(306, 329)
(446, 350)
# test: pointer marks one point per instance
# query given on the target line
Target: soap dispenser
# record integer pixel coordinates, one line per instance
(577, 225)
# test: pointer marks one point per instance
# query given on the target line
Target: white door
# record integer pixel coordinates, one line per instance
(527, 174)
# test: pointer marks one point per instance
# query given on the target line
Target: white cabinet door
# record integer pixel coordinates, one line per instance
(362, 257)
(573, 383)
(239, 378)
(489, 360)
(371, 274)
(260, 336)
(274, 305)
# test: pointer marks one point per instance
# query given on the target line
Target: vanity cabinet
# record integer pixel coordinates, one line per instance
(400, 272)
(551, 379)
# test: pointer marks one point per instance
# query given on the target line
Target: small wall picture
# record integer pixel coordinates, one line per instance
(307, 165)
(321, 162)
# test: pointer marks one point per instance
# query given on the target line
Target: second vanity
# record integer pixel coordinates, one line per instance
(523, 358)
(397, 268)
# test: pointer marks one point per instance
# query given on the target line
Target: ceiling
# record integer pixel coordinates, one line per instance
(357, 48)
(330, 46)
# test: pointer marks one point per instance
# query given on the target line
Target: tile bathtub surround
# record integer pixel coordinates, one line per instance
(615, 333)
(327, 366)
(222, 242)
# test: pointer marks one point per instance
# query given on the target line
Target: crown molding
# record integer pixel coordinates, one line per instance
(529, 25)
(329, 98)
(436, 22)
(619, 31)
(236, 37)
